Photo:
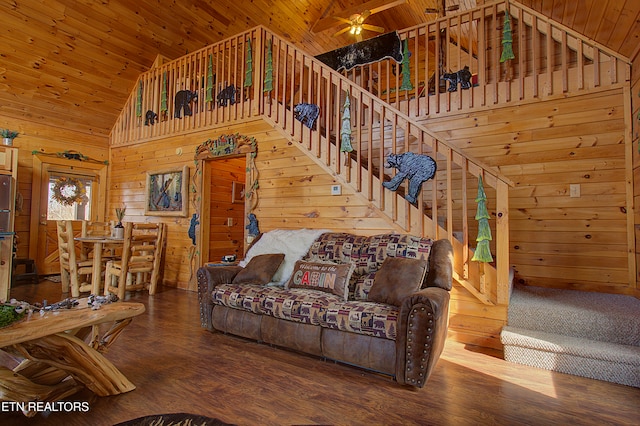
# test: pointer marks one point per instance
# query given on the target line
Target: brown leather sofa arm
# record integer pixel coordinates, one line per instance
(440, 265)
(208, 278)
(422, 330)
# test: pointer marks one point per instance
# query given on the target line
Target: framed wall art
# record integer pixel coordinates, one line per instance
(166, 192)
(237, 192)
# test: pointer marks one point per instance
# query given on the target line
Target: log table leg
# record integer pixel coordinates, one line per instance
(85, 364)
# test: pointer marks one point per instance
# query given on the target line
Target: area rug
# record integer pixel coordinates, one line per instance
(53, 278)
(174, 419)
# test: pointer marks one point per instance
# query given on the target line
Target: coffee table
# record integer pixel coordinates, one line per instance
(61, 345)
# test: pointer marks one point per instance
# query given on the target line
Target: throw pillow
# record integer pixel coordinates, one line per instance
(260, 269)
(324, 276)
(294, 243)
(397, 278)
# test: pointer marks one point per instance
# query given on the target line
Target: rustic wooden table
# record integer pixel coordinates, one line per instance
(61, 344)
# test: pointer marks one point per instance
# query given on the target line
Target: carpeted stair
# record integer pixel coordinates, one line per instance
(587, 334)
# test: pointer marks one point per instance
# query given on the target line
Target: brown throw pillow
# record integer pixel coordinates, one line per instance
(323, 276)
(397, 278)
(260, 269)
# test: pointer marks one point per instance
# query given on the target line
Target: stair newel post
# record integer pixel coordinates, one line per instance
(502, 242)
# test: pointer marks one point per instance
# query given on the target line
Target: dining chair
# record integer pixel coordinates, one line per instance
(139, 267)
(75, 273)
(98, 229)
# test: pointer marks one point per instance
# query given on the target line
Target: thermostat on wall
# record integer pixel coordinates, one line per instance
(336, 190)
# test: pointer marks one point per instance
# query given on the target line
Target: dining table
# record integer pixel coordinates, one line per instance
(99, 244)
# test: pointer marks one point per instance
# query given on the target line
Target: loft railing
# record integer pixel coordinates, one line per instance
(257, 74)
(550, 60)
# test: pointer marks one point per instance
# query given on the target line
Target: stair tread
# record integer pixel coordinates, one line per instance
(558, 343)
(595, 316)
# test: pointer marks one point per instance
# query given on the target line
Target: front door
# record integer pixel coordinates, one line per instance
(65, 191)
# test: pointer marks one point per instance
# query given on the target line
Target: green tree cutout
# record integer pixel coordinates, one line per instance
(268, 72)
(208, 97)
(139, 101)
(163, 97)
(345, 130)
(406, 69)
(248, 74)
(507, 38)
(483, 251)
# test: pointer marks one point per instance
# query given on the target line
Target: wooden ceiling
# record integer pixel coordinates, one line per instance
(73, 63)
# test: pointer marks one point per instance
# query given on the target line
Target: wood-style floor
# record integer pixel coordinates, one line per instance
(179, 367)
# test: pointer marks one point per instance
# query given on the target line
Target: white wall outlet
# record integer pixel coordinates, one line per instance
(574, 190)
(336, 190)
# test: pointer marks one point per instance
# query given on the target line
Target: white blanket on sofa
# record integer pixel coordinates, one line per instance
(294, 243)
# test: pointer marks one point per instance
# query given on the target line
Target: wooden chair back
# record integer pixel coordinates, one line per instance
(139, 267)
(74, 273)
(95, 229)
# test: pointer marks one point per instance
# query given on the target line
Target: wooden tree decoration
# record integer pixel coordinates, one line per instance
(507, 38)
(483, 251)
(139, 102)
(406, 69)
(208, 97)
(268, 72)
(248, 74)
(163, 97)
(345, 131)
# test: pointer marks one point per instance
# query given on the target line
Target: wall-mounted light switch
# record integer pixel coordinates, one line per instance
(574, 190)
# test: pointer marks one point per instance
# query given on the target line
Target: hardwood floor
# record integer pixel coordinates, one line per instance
(179, 367)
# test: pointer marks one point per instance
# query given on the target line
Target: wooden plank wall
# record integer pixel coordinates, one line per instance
(129, 165)
(47, 139)
(545, 147)
(635, 134)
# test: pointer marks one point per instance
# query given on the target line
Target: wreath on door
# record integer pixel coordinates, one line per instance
(69, 190)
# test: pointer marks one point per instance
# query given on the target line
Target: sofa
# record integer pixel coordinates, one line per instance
(377, 302)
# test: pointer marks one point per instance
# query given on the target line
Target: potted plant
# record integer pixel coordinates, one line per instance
(118, 229)
(8, 136)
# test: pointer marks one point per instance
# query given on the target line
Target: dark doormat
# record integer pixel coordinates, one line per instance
(174, 419)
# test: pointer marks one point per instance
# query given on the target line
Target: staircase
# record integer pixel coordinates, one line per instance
(593, 335)
(258, 75)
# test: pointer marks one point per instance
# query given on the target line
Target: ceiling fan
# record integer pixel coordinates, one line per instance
(356, 25)
(356, 17)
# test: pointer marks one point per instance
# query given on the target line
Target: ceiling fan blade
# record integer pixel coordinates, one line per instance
(365, 14)
(346, 21)
(372, 28)
(342, 31)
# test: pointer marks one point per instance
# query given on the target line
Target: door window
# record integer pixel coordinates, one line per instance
(69, 197)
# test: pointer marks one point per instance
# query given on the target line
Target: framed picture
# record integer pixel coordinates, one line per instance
(166, 192)
(237, 192)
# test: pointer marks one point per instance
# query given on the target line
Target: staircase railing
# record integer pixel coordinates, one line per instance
(257, 74)
(550, 60)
